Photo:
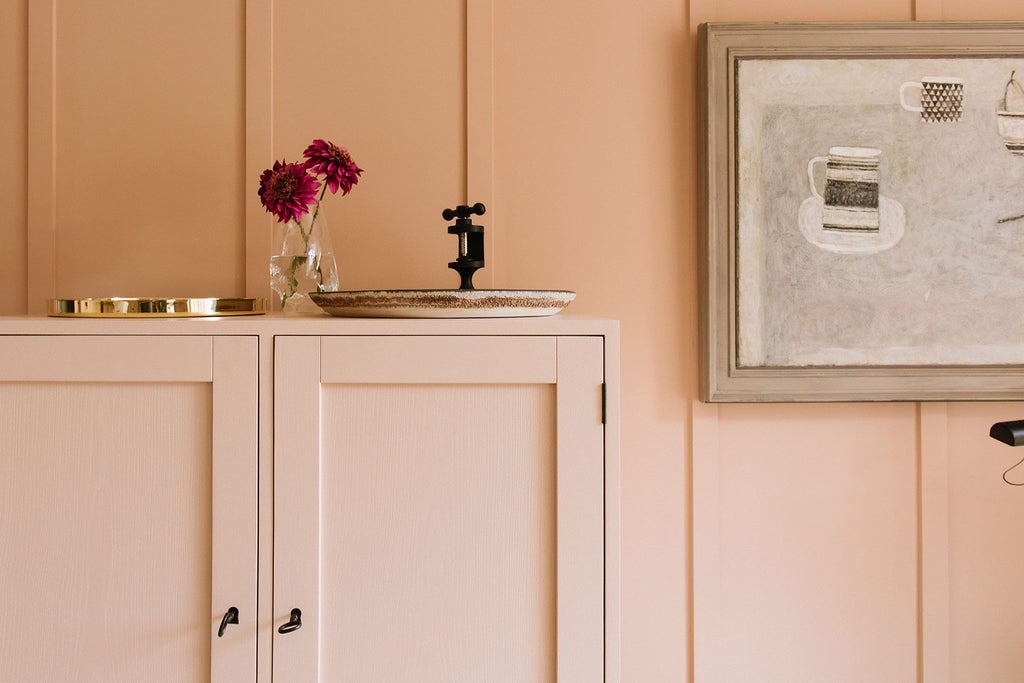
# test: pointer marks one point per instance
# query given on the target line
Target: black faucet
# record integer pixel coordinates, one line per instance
(471, 241)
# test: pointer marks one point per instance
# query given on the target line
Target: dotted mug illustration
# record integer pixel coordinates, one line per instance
(942, 98)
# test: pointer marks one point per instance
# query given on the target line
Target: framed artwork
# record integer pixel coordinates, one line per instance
(863, 211)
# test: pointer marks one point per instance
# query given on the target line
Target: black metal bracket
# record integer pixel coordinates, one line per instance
(471, 241)
(1012, 434)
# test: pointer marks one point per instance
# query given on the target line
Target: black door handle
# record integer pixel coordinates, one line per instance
(230, 617)
(294, 623)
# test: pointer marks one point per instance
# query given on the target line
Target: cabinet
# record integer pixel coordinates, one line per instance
(127, 507)
(421, 484)
(438, 500)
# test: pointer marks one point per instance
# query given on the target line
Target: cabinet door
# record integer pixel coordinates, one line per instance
(127, 508)
(439, 509)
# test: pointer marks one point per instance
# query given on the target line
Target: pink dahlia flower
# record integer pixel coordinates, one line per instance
(334, 164)
(287, 190)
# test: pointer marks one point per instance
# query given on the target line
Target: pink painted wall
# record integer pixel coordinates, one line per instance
(759, 542)
(13, 147)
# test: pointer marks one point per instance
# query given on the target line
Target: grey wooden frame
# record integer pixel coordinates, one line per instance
(721, 45)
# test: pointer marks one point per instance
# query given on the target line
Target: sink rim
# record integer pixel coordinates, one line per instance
(443, 303)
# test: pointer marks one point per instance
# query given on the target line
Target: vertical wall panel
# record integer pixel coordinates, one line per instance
(594, 119)
(480, 122)
(13, 150)
(150, 148)
(259, 140)
(986, 546)
(818, 542)
(978, 9)
(933, 521)
(387, 81)
(41, 211)
(927, 10)
(812, 10)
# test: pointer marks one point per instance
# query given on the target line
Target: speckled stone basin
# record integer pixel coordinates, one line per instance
(443, 303)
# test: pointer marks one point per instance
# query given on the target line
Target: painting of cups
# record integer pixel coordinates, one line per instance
(879, 211)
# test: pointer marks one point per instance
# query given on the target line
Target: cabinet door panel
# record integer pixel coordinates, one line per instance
(581, 568)
(107, 520)
(437, 548)
(416, 519)
(433, 360)
(99, 582)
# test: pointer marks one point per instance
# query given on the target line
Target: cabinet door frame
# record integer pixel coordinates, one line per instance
(574, 364)
(235, 380)
(230, 365)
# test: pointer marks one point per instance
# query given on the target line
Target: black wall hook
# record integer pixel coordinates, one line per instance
(1012, 434)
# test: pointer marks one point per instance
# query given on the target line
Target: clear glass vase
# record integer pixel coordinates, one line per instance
(302, 261)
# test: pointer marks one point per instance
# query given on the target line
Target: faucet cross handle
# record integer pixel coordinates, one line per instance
(463, 212)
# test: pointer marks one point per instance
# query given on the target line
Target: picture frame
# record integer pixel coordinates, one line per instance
(862, 211)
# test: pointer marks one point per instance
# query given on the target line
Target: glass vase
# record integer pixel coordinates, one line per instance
(302, 261)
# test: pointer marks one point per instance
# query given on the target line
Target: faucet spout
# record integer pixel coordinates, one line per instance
(471, 241)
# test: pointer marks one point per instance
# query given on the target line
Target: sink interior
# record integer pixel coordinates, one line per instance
(443, 303)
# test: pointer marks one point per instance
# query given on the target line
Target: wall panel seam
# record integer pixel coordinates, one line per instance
(927, 10)
(259, 139)
(479, 113)
(705, 544)
(41, 223)
(933, 543)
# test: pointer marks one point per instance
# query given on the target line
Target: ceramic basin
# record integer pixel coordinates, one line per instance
(443, 303)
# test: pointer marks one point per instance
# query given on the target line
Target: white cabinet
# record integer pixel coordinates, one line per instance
(435, 500)
(127, 508)
(440, 508)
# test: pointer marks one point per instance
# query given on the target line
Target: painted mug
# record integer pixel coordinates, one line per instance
(850, 195)
(942, 98)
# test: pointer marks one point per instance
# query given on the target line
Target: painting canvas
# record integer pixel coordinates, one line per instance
(873, 221)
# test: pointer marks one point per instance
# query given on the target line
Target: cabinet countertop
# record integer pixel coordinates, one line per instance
(277, 324)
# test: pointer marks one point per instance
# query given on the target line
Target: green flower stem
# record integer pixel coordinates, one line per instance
(293, 282)
(306, 238)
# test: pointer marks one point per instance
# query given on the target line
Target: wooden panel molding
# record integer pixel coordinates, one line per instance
(41, 239)
(259, 139)
(933, 542)
(480, 122)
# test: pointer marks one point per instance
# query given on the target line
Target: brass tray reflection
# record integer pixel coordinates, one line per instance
(130, 307)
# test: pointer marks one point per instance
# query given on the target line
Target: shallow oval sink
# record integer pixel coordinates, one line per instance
(443, 303)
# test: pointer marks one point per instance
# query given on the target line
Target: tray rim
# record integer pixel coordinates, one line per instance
(462, 303)
(155, 307)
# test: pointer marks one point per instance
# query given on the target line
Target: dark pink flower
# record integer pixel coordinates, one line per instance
(287, 190)
(334, 164)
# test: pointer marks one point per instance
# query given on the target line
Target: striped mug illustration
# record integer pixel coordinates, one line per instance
(850, 194)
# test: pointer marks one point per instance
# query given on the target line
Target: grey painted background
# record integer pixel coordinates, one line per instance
(950, 291)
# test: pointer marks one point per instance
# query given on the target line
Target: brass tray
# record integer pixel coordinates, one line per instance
(128, 307)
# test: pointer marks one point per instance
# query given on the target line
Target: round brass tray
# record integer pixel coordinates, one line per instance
(128, 307)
